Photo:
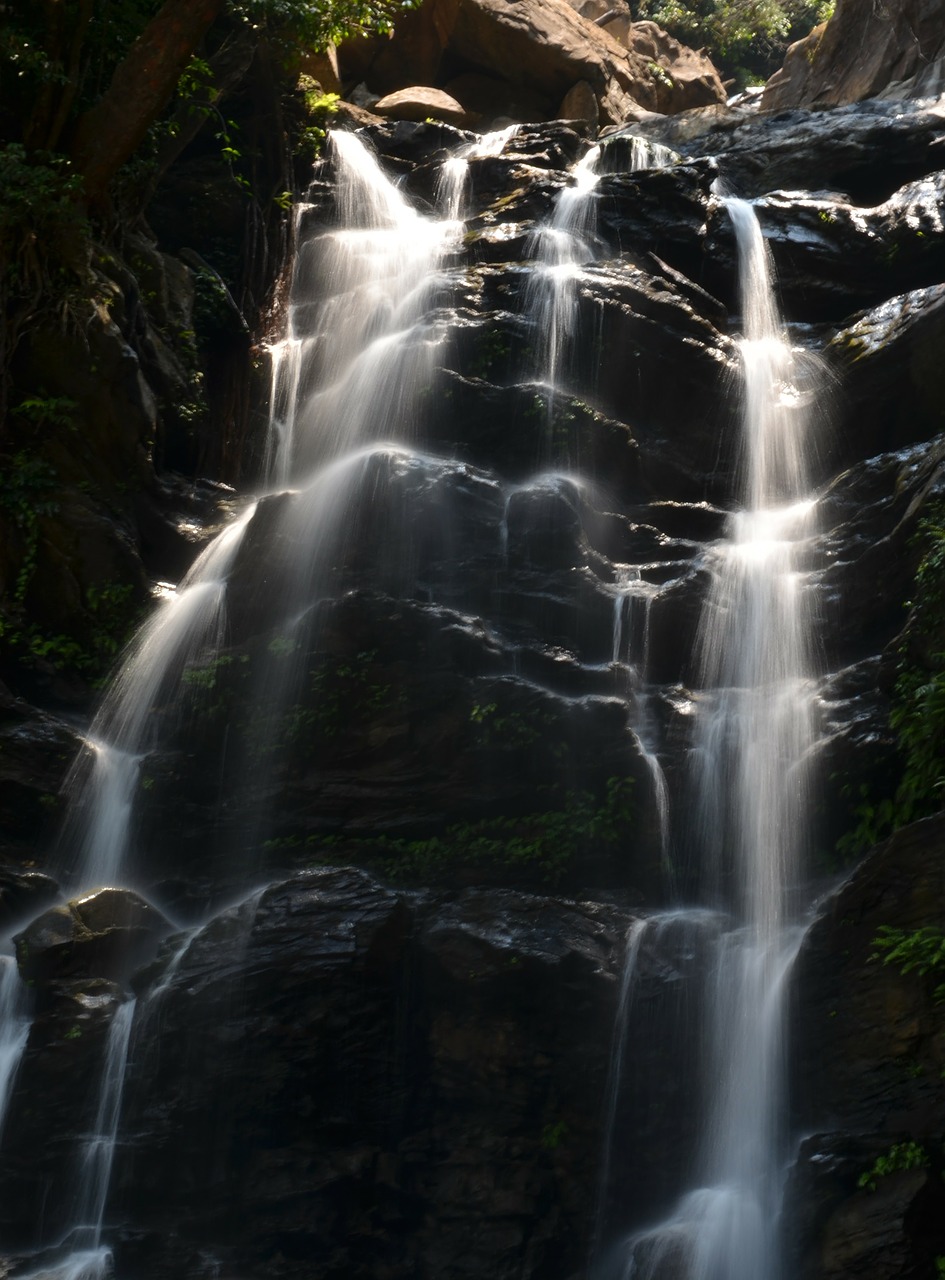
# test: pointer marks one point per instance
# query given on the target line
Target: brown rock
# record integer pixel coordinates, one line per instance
(580, 103)
(895, 49)
(422, 103)
(492, 99)
(688, 77)
(323, 67)
(548, 48)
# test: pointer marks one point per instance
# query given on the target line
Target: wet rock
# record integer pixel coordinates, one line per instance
(835, 150)
(458, 1139)
(36, 750)
(889, 370)
(22, 892)
(835, 1226)
(53, 1107)
(868, 1036)
(105, 934)
(833, 258)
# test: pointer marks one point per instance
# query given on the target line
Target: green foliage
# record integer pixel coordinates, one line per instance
(917, 950)
(918, 712)
(544, 842)
(901, 1155)
(319, 109)
(40, 222)
(553, 1135)
(26, 496)
(314, 24)
(746, 38)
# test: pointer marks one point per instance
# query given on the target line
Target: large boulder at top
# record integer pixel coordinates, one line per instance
(422, 103)
(538, 50)
(104, 934)
(896, 49)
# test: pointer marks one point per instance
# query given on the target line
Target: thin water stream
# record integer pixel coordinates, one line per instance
(754, 735)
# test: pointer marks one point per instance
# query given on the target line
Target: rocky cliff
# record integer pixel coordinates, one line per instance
(376, 1035)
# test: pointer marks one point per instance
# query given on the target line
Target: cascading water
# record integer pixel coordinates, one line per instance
(348, 390)
(755, 733)
(14, 1029)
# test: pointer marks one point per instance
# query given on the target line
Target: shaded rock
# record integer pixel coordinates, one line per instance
(869, 1047)
(861, 52)
(36, 751)
(493, 99)
(459, 1139)
(547, 47)
(105, 934)
(22, 892)
(579, 103)
(420, 103)
(53, 1108)
(836, 1228)
(888, 364)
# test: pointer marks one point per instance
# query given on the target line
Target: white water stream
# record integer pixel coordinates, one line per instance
(14, 1029)
(754, 737)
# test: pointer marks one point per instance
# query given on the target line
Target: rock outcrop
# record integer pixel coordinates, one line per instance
(870, 1055)
(350, 1075)
(893, 50)
(521, 59)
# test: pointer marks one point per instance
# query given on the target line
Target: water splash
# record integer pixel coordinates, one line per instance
(354, 374)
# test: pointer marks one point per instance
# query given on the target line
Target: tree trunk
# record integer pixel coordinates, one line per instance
(109, 133)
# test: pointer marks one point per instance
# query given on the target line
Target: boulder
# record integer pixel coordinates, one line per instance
(105, 934)
(548, 48)
(689, 78)
(422, 103)
(580, 103)
(896, 49)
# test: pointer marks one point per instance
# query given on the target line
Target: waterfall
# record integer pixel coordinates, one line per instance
(86, 1257)
(754, 736)
(102, 785)
(561, 248)
(349, 382)
(14, 1029)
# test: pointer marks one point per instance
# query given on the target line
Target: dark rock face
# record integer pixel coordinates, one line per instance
(399, 1085)
(869, 1056)
(342, 1078)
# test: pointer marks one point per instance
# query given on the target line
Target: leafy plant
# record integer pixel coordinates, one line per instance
(917, 716)
(900, 1156)
(917, 950)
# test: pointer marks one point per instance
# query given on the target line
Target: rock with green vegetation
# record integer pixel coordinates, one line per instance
(870, 1051)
